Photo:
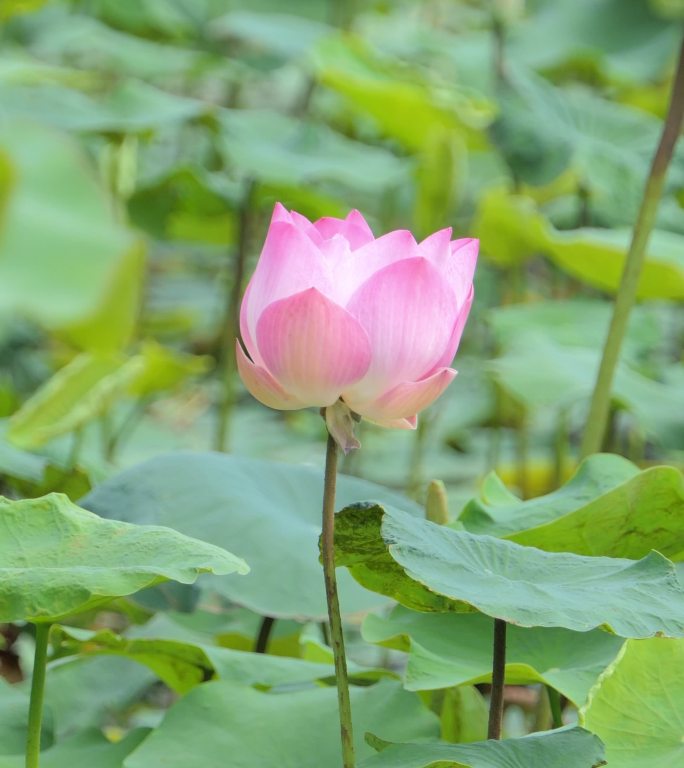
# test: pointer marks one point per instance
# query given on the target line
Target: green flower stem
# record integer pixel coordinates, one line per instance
(225, 357)
(265, 629)
(37, 695)
(336, 636)
(600, 401)
(415, 469)
(496, 704)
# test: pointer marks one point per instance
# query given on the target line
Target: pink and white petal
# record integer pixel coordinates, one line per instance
(410, 423)
(307, 227)
(335, 251)
(406, 399)
(247, 338)
(460, 268)
(450, 352)
(455, 260)
(372, 257)
(261, 385)
(313, 347)
(280, 213)
(353, 228)
(437, 246)
(360, 226)
(409, 312)
(289, 263)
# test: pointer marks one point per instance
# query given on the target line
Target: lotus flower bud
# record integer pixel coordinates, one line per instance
(333, 315)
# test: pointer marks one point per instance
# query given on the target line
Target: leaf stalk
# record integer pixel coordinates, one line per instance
(35, 719)
(624, 301)
(335, 619)
(496, 704)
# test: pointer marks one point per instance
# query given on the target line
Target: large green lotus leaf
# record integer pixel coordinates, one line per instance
(644, 513)
(183, 665)
(271, 509)
(278, 149)
(58, 559)
(608, 508)
(636, 707)
(564, 748)
(291, 730)
(14, 705)
(597, 257)
(497, 512)
(455, 649)
(404, 106)
(64, 273)
(87, 748)
(430, 567)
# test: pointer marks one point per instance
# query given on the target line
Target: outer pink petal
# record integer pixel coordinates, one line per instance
(437, 246)
(460, 268)
(455, 260)
(410, 423)
(262, 385)
(280, 213)
(247, 338)
(370, 258)
(450, 352)
(354, 228)
(406, 399)
(409, 312)
(305, 226)
(289, 263)
(313, 347)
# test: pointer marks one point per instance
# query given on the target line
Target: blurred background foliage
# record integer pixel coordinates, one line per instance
(143, 145)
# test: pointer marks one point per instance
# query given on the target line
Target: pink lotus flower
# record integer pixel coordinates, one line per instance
(333, 313)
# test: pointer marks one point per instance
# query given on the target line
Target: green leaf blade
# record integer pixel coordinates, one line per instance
(58, 559)
(433, 568)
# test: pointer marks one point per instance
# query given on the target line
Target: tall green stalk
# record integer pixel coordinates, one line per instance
(496, 702)
(37, 695)
(624, 301)
(225, 360)
(336, 636)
